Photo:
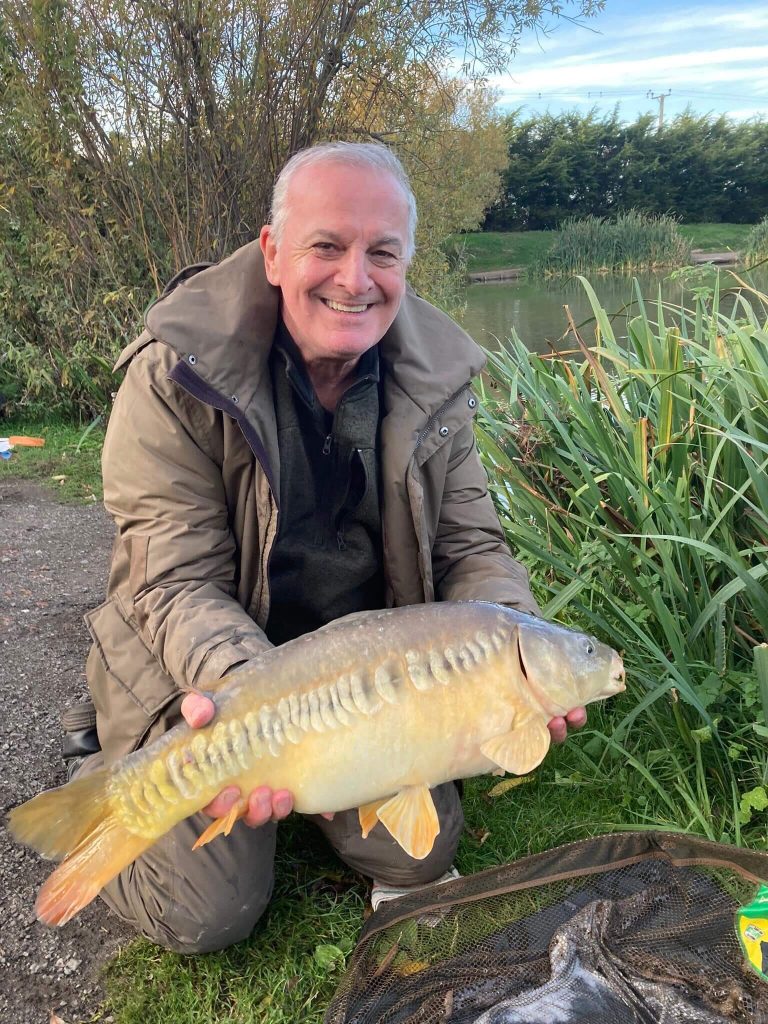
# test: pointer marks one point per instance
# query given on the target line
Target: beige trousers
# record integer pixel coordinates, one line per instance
(207, 899)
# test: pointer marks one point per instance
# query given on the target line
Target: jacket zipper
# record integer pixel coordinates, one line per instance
(435, 415)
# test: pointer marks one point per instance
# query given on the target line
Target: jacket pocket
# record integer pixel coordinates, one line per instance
(129, 688)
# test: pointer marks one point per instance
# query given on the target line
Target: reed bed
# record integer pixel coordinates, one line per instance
(757, 243)
(629, 243)
(631, 477)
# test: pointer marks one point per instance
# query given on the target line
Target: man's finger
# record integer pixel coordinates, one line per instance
(223, 802)
(577, 718)
(259, 807)
(282, 804)
(197, 710)
(558, 729)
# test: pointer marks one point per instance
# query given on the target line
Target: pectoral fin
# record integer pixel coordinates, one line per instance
(369, 815)
(411, 819)
(223, 825)
(523, 748)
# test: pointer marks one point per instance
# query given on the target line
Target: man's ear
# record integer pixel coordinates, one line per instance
(269, 251)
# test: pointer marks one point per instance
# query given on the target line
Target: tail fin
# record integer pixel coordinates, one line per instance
(75, 822)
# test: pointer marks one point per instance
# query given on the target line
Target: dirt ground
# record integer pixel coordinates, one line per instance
(53, 567)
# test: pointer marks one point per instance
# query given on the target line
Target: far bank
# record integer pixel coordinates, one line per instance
(500, 250)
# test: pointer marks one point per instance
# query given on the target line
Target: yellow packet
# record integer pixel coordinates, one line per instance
(752, 929)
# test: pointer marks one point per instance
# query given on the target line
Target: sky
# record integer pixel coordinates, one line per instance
(712, 56)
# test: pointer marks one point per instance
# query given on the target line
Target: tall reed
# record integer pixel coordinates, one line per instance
(632, 241)
(631, 476)
(757, 243)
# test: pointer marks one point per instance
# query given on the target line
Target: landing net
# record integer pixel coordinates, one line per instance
(637, 928)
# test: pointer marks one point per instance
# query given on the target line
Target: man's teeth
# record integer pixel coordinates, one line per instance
(345, 309)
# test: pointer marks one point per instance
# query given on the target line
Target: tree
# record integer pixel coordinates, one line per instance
(698, 167)
(138, 136)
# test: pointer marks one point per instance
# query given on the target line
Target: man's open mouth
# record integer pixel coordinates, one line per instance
(340, 307)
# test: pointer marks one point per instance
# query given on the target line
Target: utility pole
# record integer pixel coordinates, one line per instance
(661, 97)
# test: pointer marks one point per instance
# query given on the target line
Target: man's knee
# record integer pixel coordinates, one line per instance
(197, 901)
(194, 929)
(380, 857)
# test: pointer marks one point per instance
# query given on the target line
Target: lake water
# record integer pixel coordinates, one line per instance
(535, 308)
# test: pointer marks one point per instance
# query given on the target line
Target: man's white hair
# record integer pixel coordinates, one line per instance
(370, 155)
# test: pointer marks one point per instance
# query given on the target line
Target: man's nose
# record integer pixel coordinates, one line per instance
(352, 273)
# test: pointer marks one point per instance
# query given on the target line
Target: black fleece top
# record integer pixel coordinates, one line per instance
(327, 558)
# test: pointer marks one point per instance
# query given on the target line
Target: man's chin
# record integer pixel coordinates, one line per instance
(346, 348)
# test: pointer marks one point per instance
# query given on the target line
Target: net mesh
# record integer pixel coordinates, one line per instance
(635, 928)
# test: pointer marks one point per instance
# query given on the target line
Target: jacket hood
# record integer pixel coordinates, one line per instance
(222, 320)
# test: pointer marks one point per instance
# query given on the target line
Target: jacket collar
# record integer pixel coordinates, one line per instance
(221, 321)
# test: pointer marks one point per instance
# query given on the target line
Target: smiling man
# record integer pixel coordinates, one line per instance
(292, 443)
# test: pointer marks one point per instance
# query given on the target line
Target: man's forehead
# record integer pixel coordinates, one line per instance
(329, 185)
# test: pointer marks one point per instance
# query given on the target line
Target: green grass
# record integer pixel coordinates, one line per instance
(630, 242)
(70, 463)
(717, 237)
(497, 250)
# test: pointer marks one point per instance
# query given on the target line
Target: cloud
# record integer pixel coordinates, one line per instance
(653, 50)
(723, 65)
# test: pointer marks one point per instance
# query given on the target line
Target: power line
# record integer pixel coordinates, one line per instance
(619, 94)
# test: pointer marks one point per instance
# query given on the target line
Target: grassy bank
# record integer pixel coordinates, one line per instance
(497, 250)
(69, 463)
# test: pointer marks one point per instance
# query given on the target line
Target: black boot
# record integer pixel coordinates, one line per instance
(80, 738)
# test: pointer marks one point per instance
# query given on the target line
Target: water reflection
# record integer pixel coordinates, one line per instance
(535, 308)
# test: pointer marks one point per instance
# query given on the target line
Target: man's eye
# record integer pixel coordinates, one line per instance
(324, 246)
(384, 256)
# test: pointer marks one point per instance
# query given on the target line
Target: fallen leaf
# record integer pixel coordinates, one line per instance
(410, 967)
(503, 787)
(56, 1019)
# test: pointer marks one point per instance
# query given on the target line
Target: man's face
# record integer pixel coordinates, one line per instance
(340, 263)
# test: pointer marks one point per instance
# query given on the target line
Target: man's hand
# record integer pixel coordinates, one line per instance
(264, 804)
(558, 727)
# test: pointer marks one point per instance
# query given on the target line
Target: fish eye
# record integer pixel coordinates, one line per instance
(589, 647)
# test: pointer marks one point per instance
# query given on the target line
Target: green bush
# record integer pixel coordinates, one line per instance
(633, 481)
(632, 241)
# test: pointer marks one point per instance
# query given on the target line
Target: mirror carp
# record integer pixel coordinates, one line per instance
(370, 711)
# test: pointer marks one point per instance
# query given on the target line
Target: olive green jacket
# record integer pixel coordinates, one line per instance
(191, 478)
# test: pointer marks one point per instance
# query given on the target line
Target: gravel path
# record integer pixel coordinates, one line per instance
(53, 567)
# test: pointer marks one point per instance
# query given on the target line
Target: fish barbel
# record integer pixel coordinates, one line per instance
(370, 711)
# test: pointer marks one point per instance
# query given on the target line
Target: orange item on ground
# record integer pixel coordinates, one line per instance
(20, 441)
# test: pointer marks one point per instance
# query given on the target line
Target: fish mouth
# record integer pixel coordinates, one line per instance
(617, 679)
